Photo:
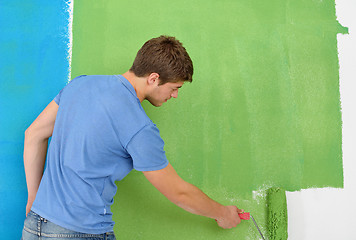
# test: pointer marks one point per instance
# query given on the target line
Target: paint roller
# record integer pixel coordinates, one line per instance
(277, 219)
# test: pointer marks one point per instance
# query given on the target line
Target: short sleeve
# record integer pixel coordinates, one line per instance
(57, 99)
(146, 149)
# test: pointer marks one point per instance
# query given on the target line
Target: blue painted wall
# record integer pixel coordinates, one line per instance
(33, 68)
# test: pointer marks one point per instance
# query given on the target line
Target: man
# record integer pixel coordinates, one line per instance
(100, 132)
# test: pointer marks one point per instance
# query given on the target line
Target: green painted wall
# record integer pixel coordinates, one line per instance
(263, 109)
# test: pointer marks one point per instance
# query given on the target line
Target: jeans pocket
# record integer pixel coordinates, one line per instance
(27, 235)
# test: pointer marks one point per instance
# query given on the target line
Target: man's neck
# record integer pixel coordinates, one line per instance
(137, 84)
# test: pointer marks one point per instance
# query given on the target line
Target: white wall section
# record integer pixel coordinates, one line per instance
(329, 214)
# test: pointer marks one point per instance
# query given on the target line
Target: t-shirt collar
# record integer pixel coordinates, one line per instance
(128, 85)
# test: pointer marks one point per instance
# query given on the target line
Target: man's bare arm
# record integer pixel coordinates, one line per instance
(191, 198)
(35, 149)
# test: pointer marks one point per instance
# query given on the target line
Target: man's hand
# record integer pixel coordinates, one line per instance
(230, 217)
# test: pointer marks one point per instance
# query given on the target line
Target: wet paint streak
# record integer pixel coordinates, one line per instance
(33, 67)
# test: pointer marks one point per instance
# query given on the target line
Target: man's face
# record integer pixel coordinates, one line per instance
(162, 93)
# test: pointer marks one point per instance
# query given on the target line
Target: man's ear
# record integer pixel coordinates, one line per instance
(153, 78)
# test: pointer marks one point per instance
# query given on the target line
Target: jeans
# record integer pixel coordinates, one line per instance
(38, 228)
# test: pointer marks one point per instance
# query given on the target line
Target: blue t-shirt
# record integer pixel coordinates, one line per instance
(101, 133)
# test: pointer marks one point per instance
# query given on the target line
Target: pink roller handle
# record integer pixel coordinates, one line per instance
(244, 216)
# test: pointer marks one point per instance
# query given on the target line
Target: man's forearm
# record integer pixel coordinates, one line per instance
(193, 200)
(35, 151)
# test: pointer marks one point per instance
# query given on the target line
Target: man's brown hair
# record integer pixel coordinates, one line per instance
(166, 56)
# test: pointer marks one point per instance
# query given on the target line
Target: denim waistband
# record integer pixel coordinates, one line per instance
(41, 227)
